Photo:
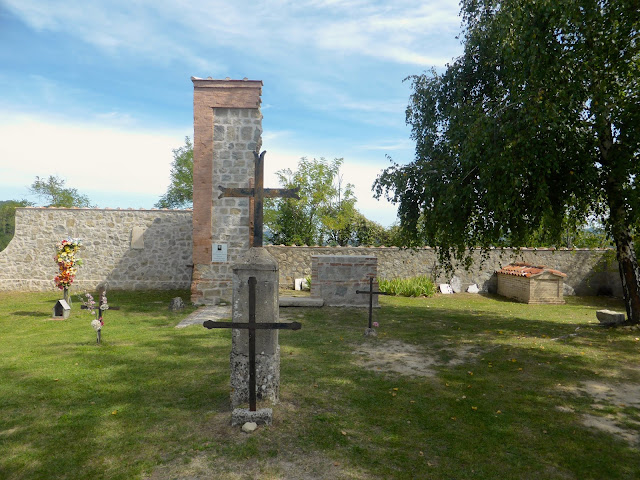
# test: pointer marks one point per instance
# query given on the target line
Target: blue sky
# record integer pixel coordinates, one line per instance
(99, 93)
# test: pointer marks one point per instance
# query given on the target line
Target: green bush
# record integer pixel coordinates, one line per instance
(421, 286)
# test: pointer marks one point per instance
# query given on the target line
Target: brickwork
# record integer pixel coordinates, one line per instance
(335, 279)
(227, 130)
(126, 249)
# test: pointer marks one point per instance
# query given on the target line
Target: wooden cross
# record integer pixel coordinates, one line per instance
(258, 194)
(371, 293)
(252, 326)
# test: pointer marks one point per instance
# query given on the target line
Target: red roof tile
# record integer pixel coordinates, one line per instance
(521, 269)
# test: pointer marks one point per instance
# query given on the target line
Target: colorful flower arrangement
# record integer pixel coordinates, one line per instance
(67, 262)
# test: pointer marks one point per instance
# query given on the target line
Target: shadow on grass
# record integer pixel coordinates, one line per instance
(494, 415)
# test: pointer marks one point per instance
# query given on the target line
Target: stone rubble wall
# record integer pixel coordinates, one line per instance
(27, 264)
(589, 272)
(124, 249)
(236, 135)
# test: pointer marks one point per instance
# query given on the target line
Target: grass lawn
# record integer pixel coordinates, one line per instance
(454, 387)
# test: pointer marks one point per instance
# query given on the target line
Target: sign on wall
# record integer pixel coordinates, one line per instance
(219, 252)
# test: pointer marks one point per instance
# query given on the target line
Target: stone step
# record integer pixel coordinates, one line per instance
(300, 302)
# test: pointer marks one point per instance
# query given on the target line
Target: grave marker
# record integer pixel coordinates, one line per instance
(61, 310)
(252, 326)
(258, 194)
(371, 293)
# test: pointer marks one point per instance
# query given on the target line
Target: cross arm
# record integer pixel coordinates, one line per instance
(84, 307)
(373, 293)
(258, 326)
(268, 192)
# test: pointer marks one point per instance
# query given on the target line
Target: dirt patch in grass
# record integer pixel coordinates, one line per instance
(204, 466)
(618, 397)
(230, 454)
(609, 424)
(411, 360)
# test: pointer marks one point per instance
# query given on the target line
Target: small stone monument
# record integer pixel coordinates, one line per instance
(473, 288)
(260, 264)
(61, 310)
(456, 284)
(445, 288)
(176, 304)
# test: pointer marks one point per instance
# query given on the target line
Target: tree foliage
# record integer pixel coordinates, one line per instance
(324, 208)
(326, 212)
(54, 193)
(180, 191)
(536, 125)
(8, 219)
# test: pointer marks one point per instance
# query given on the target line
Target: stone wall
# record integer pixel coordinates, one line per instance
(589, 272)
(165, 260)
(126, 249)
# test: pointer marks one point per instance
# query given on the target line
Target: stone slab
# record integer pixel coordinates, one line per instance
(473, 289)
(609, 317)
(301, 302)
(212, 312)
(262, 416)
(456, 284)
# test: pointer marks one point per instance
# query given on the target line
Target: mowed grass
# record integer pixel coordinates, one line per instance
(513, 393)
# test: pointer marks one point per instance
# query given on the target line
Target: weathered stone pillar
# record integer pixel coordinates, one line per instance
(227, 129)
(260, 264)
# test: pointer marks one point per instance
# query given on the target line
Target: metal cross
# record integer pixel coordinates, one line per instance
(252, 326)
(258, 194)
(101, 311)
(371, 293)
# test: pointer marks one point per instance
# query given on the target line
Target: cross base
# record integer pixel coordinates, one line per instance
(267, 378)
(240, 416)
(370, 332)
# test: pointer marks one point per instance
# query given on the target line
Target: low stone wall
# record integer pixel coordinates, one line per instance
(126, 249)
(589, 272)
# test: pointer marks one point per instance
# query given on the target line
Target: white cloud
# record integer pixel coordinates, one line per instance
(396, 144)
(170, 30)
(88, 156)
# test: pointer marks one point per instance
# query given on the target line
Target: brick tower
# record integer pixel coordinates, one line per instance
(227, 129)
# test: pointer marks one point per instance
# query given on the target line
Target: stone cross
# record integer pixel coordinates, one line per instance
(258, 194)
(371, 293)
(252, 326)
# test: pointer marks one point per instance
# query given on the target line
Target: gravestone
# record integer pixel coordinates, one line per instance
(473, 288)
(176, 304)
(456, 284)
